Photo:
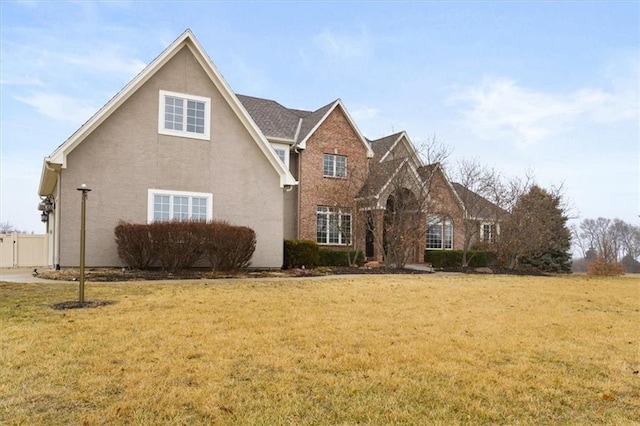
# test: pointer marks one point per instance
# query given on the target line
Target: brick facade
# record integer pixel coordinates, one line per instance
(334, 136)
(444, 203)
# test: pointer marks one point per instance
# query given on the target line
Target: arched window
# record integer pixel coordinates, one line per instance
(439, 233)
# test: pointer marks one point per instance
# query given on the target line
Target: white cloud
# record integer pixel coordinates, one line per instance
(363, 112)
(22, 81)
(106, 60)
(344, 46)
(60, 107)
(503, 110)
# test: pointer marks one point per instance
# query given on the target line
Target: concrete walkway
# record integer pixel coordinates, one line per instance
(22, 275)
(419, 267)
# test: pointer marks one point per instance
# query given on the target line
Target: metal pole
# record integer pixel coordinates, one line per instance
(83, 216)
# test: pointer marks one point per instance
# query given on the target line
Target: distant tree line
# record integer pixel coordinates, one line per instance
(607, 241)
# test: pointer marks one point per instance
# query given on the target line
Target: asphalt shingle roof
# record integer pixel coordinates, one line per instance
(382, 145)
(277, 121)
(379, 175)
(478, 206)
(273, 119)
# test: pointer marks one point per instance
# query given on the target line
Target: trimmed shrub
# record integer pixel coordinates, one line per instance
(601, 267)
(134, 245)
(179, 245)
(298, 253)
(453, 258)
(330, 257)
(228, 247)
(176, 245)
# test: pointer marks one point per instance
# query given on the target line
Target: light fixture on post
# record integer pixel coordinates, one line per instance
(83, 216)
(44, 217)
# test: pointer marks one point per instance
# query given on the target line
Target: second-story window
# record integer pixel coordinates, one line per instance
(184, 115)
(334, 166)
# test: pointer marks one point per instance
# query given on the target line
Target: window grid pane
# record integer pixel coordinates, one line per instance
(434, 233)
(195, 117)
(334, 229)
(345, 228)
(180, 208)
(341, 166)
(448, 234)
(334, 165)
(333, 226)
(328, 165)
(173, 113)
(199, 208)
(161, 207)
(321, 225)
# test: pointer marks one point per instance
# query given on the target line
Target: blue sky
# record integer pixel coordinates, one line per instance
(547, 87)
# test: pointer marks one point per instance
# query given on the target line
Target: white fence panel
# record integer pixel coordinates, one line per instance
(21, 250)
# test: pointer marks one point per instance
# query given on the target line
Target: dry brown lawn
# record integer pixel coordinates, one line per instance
(431, 349)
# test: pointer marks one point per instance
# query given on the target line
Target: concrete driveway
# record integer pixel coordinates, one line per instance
(22, 275)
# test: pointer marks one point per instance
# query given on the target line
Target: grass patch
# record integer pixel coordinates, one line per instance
(335, 350)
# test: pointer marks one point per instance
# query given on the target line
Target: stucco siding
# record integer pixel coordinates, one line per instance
(126, 156)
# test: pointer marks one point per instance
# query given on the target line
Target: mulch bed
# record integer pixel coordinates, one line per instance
(77, 305)
(117, 275)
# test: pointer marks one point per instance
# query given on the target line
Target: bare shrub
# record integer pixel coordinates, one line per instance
(602, 267)
(176, 245)
(179, 245)
(228, 247)
(134, 245)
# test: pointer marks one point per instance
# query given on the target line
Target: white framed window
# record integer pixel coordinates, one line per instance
(282, 150)
(334, 166)
(488, 232)
(163, 205)
(184, 115)
(333, 226)
(439, 233)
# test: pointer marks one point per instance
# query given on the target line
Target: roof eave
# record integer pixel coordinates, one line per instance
(303, 143)
(48, 178)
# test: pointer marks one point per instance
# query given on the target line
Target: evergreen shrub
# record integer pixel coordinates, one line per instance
(299, 253)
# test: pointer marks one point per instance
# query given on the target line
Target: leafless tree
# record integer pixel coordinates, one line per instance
(476, 184)
(8, 228)
(432, 151)
(610, 240)
(399, 201)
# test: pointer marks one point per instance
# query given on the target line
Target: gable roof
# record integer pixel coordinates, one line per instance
(380, 175)
(478, 206)
(383, 145)
(273, 119)
(426, 172)
(384, 148)
(186, 39)
(293, 126)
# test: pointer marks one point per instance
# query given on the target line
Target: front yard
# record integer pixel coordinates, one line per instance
(413, 349)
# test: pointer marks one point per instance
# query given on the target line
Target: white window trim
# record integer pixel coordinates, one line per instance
(183, 133)
(442, 220)
(335, 166)
(285, 148)
(339, 213)
(492, 236)
(152, 192)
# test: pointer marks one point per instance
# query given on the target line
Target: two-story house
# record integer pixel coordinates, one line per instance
(177, 143)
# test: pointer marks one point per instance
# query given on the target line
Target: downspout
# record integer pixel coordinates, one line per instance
(299, 192)
(58, 221)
